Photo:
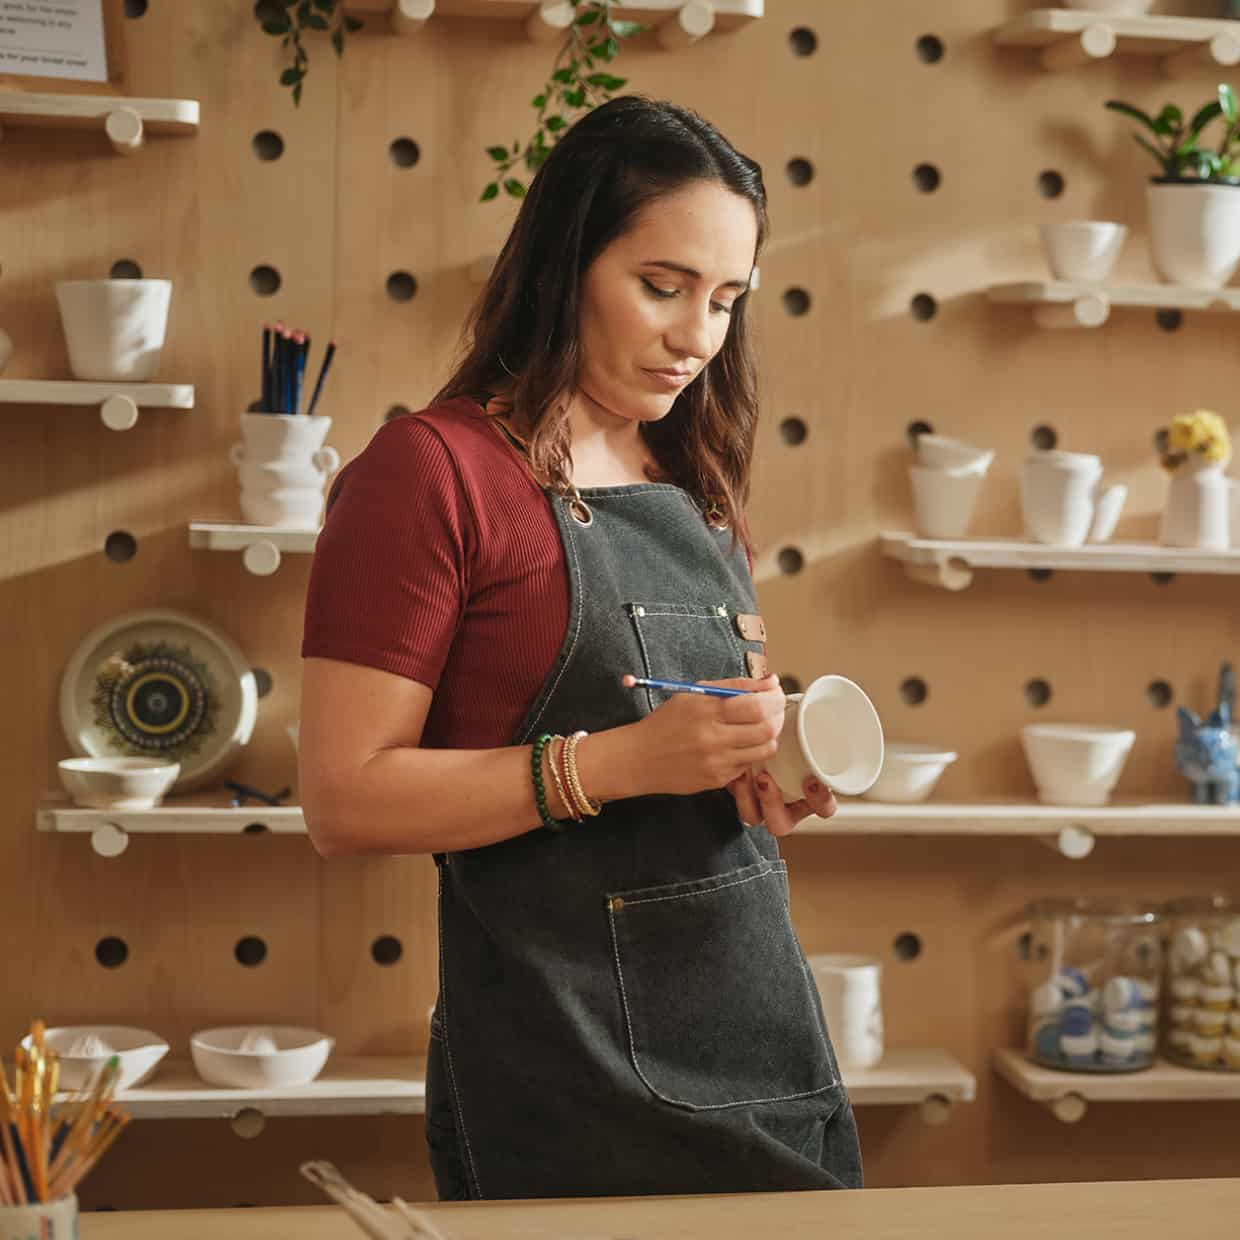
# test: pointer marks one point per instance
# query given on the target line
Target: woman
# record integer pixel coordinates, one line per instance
(624, 1007)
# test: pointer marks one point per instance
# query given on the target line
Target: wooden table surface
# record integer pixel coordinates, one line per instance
(1128, 1210)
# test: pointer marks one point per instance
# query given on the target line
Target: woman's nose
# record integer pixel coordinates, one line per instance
(690, 335)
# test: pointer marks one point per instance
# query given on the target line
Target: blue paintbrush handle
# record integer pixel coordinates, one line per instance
(688, 686)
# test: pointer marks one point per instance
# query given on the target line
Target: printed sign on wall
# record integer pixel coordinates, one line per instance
(63, 39)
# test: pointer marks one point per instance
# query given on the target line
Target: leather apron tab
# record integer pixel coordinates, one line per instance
(756, 662)
(751, 628)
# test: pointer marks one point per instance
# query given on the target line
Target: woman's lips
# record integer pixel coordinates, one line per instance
(670, 378)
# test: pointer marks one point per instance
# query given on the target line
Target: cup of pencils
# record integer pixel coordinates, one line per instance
(281, 460)
(48, 1146)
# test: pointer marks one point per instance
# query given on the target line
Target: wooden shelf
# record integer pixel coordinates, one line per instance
(949, 563)
(261, 546)
(345, 1087)
(1065, 38)
(931, 1079)
(125, 121)
(1068, 1094)
(118, 402)
(1061, 304)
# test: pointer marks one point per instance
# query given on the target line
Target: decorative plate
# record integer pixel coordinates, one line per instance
(159, 684)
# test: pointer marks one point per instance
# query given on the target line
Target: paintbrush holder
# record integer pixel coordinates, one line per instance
(283, 468)
(48, 1220)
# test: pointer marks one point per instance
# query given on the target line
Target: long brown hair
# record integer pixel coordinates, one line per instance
(522, 335)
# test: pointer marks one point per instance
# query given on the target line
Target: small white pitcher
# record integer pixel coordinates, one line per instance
(1063, 502)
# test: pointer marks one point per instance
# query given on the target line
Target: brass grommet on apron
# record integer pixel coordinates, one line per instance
(579, 508)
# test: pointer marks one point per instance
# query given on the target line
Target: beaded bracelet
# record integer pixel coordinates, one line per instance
(561, 789)
(581, 802)
(540, 794)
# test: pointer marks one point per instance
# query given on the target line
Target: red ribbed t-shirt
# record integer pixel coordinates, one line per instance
(439, 560)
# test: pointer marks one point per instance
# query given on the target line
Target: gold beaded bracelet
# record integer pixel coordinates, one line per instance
(581, 802)
(556, 778)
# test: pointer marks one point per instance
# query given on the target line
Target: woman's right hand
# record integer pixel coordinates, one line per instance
(693, 742)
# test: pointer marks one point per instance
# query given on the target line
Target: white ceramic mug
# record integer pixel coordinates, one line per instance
(1082, 251)
(850, 988)
(1062, 501)
(944, 499)
(114, 328)
(49, 1220)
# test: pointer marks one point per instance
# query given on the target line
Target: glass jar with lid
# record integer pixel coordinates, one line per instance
(1202, 1029)
(1093, 1002)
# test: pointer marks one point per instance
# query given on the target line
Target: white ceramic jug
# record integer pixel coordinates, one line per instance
(1063, 501)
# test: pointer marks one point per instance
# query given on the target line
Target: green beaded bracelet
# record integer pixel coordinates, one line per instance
(540, 794)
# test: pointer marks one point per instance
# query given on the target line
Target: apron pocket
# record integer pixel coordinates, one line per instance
(715, 992)
(686, 641)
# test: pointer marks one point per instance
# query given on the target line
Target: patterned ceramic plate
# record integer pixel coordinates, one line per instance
(159, 684)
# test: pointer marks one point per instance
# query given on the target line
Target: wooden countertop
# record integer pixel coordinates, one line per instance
(1128, 1210)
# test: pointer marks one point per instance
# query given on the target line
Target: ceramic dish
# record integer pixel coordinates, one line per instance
(84, 1049)
(117, 783)
(909, 772)
(159, 684)
(1075, 764)
(259, 1056)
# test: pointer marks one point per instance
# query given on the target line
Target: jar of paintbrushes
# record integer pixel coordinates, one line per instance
(47, 1145)
(281, 461)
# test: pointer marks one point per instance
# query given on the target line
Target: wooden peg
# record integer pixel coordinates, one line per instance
(936, 1110)
(1072, 841)
(1223, 49)
(409, 16)
(549, 20)
(261, 558)
(124, 129)
(1095, 42)
(1070, 1109)
(1087, 310)
(248, 1123)
(108, 840)
(949, 573)
(119, 412)
(693, 21)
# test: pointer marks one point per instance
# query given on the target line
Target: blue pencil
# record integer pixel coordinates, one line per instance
(682, 686)
(301, 343)
(323, 369)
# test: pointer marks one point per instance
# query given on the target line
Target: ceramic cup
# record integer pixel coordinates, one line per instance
(941, 452)
(1082, 251)
(283, 467)
(944, 499)
(114, 328)
(47, 1220)
(1062, 503)
(850, 989)
(831, 732)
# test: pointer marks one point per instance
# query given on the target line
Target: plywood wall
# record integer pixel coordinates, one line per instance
(335, 217)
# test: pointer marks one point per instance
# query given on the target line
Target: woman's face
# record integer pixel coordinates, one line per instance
(657, 302)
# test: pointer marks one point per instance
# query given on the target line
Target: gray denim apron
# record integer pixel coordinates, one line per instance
(624, 1007)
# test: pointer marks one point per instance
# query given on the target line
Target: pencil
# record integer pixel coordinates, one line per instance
(681, 686)
(300, 345)
(265, 401)
(318, 387)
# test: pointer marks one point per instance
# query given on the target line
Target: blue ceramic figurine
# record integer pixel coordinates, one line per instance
(1206, 752)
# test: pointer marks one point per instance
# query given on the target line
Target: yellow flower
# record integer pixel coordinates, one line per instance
(1203, 433)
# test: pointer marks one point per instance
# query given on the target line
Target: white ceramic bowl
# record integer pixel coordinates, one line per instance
(1082, 251)
(83, 1051)
(940, 452)
(909, 772)
(118, 783)
(1075, 764)
(944, 500)
(259, 1056)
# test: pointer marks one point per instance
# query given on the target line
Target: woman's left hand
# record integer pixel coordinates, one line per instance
(759, 799)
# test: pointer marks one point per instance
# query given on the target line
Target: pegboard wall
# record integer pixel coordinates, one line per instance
(908, 163)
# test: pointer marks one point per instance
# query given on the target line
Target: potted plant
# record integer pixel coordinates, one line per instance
(1194, 450)
(1194, 204)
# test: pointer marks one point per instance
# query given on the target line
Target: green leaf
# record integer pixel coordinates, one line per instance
(497, 153)
(1227, 102)
(290, 77)
(627, 30)
(277, 27)
(1169, 120)
(303, 11)
(555, 124)
(514, 188)
(1132, 113)
(1153, 150)
(539, 101)
(297, 95)
(536, 158)
(1202, 119)
(605, 81)
(1208, 165)
(491, 191)
(315, 22)
(354, 24)
(562, 75)
(576, 98)
(588, 18)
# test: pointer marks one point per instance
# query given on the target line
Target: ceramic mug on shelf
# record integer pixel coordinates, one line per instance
(1062, 501)
(283, 467)
(849, 987)
(114, 329)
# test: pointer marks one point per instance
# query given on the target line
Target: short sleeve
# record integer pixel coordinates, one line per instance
(392, 562)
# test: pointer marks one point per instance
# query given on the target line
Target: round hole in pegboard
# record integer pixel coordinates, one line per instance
(265, 281)
(404, 152)
(803, 41)
(923, 307)
(255, 828)
(1169, 320)
(927, 178)
(119, 546)
(397, 411)
(796, 302)
(386, 949)
(1024, 946)
(790, 560)
(1038, 692)
(1041, 574)
(790, 684)
(1044, 438)
(111, 952)
(914, 690)
(907, 946)
(1162, 440)
(250, 951)
(1159, 694)
(1050, 183)
(914, 430)
(267, 145)
(1162, 579)
(125, 269)
(800, 171)
(793, 431)
(930, 49)
(401, 286)
(263, 682)
(135, 9)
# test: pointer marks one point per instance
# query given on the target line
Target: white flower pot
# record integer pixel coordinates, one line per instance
(1194, 232)
(1082, 251)
(1198, 508)
(114, 328)
(283, 468)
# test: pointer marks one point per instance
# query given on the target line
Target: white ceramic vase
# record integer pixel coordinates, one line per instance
(1194, 232)
(283, 468)
(114, 328)
(1198, 508)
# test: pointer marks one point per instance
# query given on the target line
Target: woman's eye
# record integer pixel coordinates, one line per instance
(719, 308)
(660, 292)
